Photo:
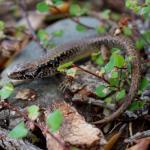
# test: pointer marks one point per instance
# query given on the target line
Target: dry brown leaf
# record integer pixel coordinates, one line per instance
(141, 144)
(8, 47)
(62, 8)
(124, 21)
(26, 94)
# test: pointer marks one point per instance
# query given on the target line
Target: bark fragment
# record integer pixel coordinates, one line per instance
(75, 131)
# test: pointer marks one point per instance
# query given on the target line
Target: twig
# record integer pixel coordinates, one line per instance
(97, 15)
(138, 135)
(111, 142)
(98, 102)
(25, 14)
(130, 129)
(73, 19)
(89, 72)
(40, 126)
(82, 24)
(139, 34)
(101, 103)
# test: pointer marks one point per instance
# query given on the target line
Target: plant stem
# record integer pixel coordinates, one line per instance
(40, 126)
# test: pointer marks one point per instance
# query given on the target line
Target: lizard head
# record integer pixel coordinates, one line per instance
(23, 71)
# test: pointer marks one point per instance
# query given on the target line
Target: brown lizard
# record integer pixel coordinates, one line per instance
(74, 51)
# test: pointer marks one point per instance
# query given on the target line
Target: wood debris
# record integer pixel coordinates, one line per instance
(75, 131)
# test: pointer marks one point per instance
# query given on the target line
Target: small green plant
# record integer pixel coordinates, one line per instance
(6, 91)
(139, 8)
(54, 120)
(33, 112)
(42, 7)
(80, 28)
(76, 10)
(116, 60)
(117, 70)
(20, 131)
(143, 40)
(43, 36)
(58, 33)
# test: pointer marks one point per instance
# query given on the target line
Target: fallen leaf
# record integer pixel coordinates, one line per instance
(26, 94)
(141, 144)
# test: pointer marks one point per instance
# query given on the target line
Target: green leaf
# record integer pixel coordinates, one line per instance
(124, 76)
(101, 29)
(50, 45)
(115, 16)
(139, 43)
(2, 25)
(101, 91)
(33, 112)
(147, 1)
(58, 33)
(75, 10)
(96, 57)
(106, 13)
(110, 65)
(136, 105)
(127, 31)
(19, 131)
(102, 70)
(116, 50)
(57, 2)
(100, 60)
(42, 7)
(108, 100)
(146, 35)
(116, 60)
(128, 3)
(143, 84)
(71, 72)
(129, 67)
(80, 28)
(119, 61)
(6, 91)
(133, 5)
(64, 66)
(43, 36)
(113, 81)
(120, 95)
(114, 74)
(145, 10)
(54, 120)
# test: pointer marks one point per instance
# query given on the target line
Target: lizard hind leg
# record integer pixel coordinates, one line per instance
(65, 84)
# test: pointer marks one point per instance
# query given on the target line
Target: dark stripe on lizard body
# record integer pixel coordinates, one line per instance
(47, 65)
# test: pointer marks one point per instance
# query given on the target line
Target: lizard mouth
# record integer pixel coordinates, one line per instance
(21, 72)
(19, 76)
(14, 75)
